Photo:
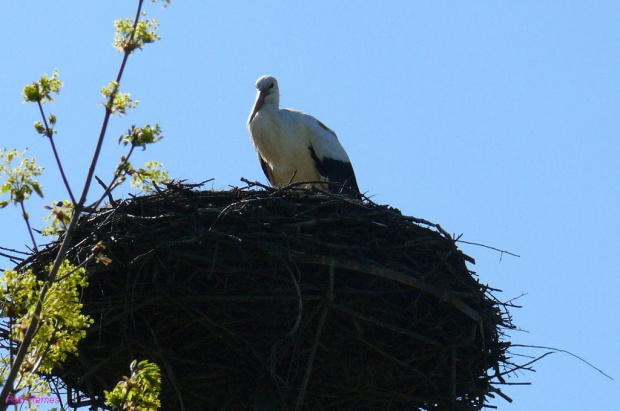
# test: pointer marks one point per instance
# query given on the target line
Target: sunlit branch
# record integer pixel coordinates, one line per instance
(50, 136)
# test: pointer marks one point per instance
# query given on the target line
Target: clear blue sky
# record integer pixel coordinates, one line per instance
(498, 120)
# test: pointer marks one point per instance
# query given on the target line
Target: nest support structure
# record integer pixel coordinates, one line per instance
(283, 299)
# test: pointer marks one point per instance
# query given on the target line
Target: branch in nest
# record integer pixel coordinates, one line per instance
(489, 247)
(443, 295)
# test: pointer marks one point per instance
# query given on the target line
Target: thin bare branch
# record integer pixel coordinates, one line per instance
(107, 192)
(50, 135)
(27, 220)
(554, 350)
(489, 247)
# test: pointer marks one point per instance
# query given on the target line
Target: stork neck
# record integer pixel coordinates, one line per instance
(272, 102)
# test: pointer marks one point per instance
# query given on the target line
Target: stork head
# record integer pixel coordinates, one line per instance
(268, 93)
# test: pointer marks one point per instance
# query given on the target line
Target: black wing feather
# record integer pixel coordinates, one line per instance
(337, 171)
(266, 170)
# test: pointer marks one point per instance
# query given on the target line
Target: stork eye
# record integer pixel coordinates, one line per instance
(271, 86)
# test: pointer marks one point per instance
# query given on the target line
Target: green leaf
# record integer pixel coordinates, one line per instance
(141, 136)
(37, 188)
(18, 180)
(61, 320)
(128, 39)
(138, 392)
(38, 126)
(42, 90)
(116, 101)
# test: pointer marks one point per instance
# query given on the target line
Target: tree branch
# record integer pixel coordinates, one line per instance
(27, 220)
(69, 234)
(50, 136)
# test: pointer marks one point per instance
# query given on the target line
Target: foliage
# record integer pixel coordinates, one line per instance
(59, 218)
(61, 325)
(141, 136)
(127, 40)
(46, 309)
(143, 179)
(152, 174)
(41, 91)
(139, 392)
(19, 180)
(117, 101)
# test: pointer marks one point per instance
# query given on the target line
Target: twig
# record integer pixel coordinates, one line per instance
(396, 360)
(554, 350)
(299, 303)
(393, 275)
(14, 251)
(303, 185)
(77, 267)
(501, 394)
(169, 371)
(389, 326)
(27, 220)
(328, 299)
(292, 177)
(255, 183)
(12, 258)
(107, 191)
(489, 247)
(430, 224)
(50, 135)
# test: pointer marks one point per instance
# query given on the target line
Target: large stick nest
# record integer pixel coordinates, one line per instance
(294, 297)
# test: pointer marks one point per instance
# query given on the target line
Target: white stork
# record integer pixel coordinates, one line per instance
(295, 147)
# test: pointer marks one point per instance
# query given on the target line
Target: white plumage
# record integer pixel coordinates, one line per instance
(295, 147)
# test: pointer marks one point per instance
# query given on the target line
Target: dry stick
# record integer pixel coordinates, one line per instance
(395, 360)
(500, 393)
(14, 251)
(290, 181)
(328, 299)
(488, 246)
(301, 186)
(168, 368)
(453, 376)
(554, 350)
(384, 272)
(15, 260)
(106, 192)
(56, 391)
(393, 327)
(430, 224)
(34, 324)
(299, 304)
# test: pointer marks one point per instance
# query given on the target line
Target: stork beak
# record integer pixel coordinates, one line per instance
(257, 106)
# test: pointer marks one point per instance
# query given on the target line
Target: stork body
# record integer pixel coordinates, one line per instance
(295, 147)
